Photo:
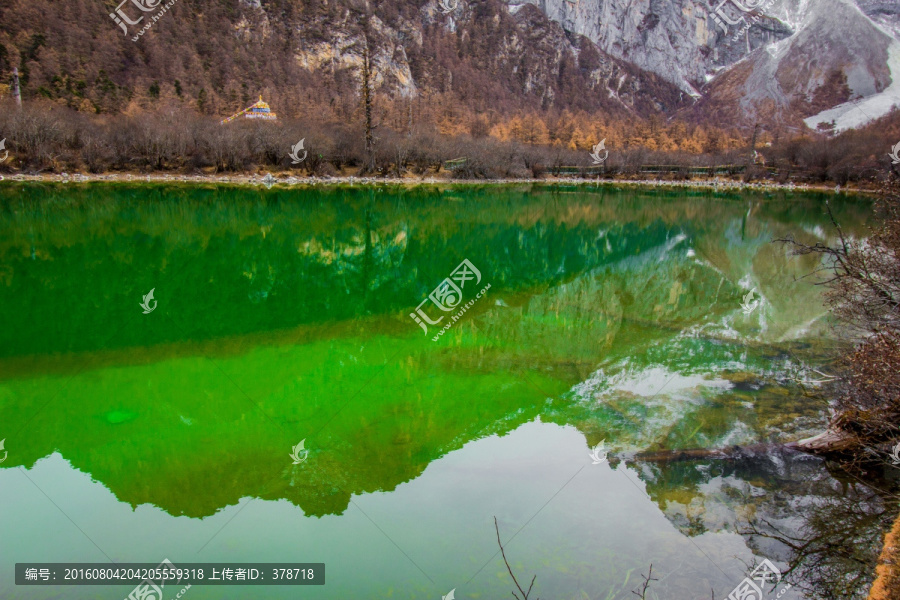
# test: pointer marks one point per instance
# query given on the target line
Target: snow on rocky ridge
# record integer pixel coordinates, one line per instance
(837, 60)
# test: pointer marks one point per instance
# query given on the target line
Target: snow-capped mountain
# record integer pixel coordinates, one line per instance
(839, 68)
(748, 60)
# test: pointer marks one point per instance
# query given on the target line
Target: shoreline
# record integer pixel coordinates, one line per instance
(270, 181)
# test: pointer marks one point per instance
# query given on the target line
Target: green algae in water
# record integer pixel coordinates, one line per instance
(117, 417)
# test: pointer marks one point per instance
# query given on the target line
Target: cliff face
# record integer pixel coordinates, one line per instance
(783, 61)
(679, 40)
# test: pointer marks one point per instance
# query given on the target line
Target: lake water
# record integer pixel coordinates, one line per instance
(617, 320)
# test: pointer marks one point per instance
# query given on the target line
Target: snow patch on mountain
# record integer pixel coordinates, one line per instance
(837, 59)
(857, 113)
(792, 58)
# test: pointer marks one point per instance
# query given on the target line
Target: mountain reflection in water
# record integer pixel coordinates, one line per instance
(613, 316)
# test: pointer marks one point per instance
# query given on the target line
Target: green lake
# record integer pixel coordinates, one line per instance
(616, 319)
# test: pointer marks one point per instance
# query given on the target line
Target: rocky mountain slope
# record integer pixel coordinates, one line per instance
(884, 12)
(783, 61)
(837, 57)
(677, 39)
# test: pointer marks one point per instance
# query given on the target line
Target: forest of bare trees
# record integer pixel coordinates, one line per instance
(44, 137)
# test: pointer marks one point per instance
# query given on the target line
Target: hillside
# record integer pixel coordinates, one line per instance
(466, 65)
(217, 55)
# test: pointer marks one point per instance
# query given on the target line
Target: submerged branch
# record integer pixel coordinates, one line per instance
(508, 568)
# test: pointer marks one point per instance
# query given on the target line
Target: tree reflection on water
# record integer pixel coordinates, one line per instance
(827, 524)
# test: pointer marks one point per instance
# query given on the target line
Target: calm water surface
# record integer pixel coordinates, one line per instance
(613, 316)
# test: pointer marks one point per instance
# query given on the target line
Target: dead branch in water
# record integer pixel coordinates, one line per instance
(508, 568)
(647, 579)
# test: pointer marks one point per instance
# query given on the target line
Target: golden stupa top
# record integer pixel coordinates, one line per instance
(258, 110)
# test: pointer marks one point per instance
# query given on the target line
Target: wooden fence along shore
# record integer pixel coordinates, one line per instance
(598, 170)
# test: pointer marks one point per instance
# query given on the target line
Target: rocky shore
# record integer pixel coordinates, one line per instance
(269, 180)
